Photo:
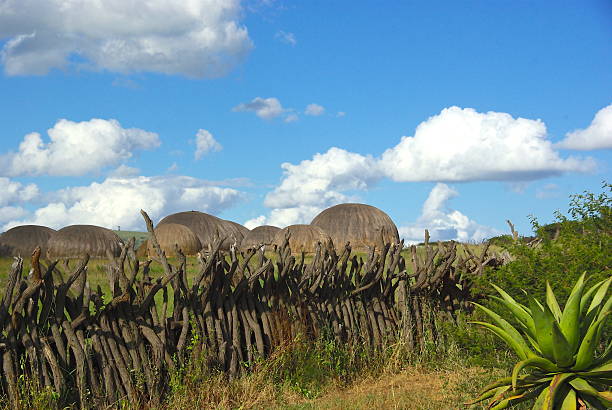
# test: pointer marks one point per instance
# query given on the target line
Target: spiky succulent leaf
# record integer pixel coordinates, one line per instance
(524, 349)
(537, 362)
(556, 389)
(586, 352)
(585, 388)
(522, 313)
(563, 352)
(569, 323)
(543, 319)
(505, 337)
(552, 303)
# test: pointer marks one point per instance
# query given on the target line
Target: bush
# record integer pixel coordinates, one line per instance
(582, 244)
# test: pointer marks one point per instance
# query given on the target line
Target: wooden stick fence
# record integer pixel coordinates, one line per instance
(238, 309)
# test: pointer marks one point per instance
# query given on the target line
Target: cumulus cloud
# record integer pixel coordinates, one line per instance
(117, 201)
(205, 143)
(198, 38)
(12, 192)
(285, 37)
(76, 148)
(461, 144)
(312, 185)
(444, 223)
(266, 108)
(455, 145)
(598, 135)
(314, 110)
(10, 213)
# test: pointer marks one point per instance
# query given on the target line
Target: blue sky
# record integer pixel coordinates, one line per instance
(453, 116)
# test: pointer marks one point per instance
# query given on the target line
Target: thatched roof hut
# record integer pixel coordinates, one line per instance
(76, 240)
(205, 226)
(303, 238)
(261, 235)
(239, 231)
(22, 240)
(359, 224)
(170, 234)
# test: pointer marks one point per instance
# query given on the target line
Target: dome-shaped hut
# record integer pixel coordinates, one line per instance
(261, 235)
(303, 238)
(205, 226)
(76, 240)
(239, 231)
(22, 240)
(169, 235)
(359, 224)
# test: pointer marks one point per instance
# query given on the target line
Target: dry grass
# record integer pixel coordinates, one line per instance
(414, 388)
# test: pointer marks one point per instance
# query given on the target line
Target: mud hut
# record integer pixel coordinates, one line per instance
(76, 240)
(261, 235)
(22, 240)
(169, 235)
(359, 224)
(303, 238)
(205, 226)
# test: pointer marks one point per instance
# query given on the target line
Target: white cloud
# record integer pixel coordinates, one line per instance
(205, 143)
(465, 145)
(196, 38)
(76, 148)
(291, 118)
(340, 114)
(598, 135)
(285, 37)
(314, 110)
(9, 213)
(458, 145)
(255, 222)
(124, 171)
(312, 185)
(266, 108)
(12, 192)
(444, 223)
(117, 201)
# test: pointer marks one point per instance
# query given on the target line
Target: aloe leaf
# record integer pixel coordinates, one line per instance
(505, 337)
(488, 393)
(543, 319)
(512, 400)
(606, 308)
(552, 303)
(588, 295)
(569, 402)
(599, 295)
(604, 370)
(569, 323)
(585, 388)
(555, 386)
(508, 328)
(539, 362)
(521, 312)
(564, 354)
(539, 403)
(586, 352)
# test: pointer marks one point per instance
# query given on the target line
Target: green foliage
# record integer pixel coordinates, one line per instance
(573, 244)
(559, 366)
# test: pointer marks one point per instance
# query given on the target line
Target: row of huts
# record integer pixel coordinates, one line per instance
(359, 224)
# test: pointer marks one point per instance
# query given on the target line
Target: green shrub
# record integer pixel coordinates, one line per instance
(582, 244)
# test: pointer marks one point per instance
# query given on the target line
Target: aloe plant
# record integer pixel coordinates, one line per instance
(559, 366)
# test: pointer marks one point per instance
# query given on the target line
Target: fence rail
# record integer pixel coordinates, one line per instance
(238, 309)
